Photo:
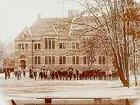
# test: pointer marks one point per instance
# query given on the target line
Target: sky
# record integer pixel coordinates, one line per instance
(15, 15)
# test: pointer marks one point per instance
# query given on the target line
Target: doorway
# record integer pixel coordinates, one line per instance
(23, 64)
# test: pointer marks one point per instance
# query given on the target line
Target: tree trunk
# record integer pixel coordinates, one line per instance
(122, 78)
(135, 65)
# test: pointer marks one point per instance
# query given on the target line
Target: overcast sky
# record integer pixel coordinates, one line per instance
(15, 15)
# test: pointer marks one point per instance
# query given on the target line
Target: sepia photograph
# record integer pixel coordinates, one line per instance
(69, 52)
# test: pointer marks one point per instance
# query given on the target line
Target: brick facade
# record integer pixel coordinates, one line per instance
(52, 46)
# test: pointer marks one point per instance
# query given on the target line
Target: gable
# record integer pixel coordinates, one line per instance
(24, 35)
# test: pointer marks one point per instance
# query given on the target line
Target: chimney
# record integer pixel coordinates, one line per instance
(39, 16)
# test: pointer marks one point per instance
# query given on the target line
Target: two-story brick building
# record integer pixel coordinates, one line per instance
(51, 42)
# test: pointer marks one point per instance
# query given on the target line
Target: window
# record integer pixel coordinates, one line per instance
(103, 59)
(53, 59)
(50, 43)
(77, 45)
(22, 46)
(39, 60)
(77, 59)
(64, 45)
(53, 43)
(73, 60)
(100, 60)
(64, 59)
(35, 59)
(60, 59)
(46, 59)
(39, 46)
(85, 60)
(50, 60)
(35, 45)
(19, 46)
(60, 45)
(46, 43)
(73, 45)
(26, 46)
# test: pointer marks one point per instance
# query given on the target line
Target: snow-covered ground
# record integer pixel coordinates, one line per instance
(2, 96)
(28, 89)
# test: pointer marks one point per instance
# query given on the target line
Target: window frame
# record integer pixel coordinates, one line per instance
(60, 60)
(39, 46)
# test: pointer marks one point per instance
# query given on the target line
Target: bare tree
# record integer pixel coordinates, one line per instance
(116, 20)
(1, 52)
(6, 53)
(94, 46)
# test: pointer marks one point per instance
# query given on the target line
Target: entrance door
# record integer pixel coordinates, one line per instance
(23, 64)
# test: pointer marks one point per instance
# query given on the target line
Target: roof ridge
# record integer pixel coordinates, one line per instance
(55, 18)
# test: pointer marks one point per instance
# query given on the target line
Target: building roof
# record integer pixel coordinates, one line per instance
(58, 27)
(24, 35)
(47, 27)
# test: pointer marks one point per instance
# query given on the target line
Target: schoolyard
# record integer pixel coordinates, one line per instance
(30, 89)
